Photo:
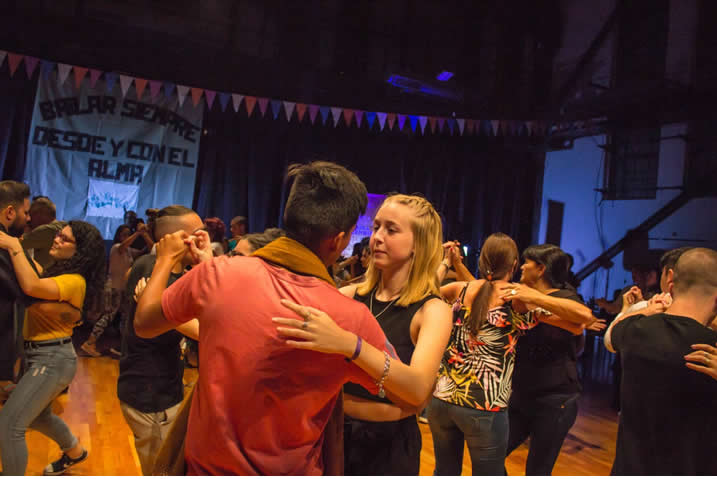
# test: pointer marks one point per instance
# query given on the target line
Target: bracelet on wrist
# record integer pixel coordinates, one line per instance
(357, 351)
(386, 367)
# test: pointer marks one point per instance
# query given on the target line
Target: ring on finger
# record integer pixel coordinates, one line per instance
(513, 292)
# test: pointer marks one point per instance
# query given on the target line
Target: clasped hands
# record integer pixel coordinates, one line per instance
(175, 245)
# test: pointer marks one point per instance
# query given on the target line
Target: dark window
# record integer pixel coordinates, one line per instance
(632, 164)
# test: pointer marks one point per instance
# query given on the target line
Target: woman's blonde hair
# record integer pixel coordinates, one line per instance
(427, 247)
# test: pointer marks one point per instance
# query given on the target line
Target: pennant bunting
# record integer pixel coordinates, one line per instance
(13, 61)
(263, 103)
(413, 120)
(336, 115)
(324, 110)
(169, 88)
(224, 100)
(300, 111)
(529, 127)
(45, 68)
(154, 87)
(313, 110)
(451, 122)
(210, 95)
(30, 65)
(125, 83)
(494, 126)
(3, 54)
(249, 104)
(348, 116)
(401, 122)
(391, 117)
(461, 124)
(140, 84)
(80, 73)
(381, 119)
(275, 108)
(94, 76)
(196, 95)
(182, 92)
(236, 101)
(359, 116)
(289, 109)
(422, 120)
(63, 71)
(110, 80)
(469, 126)
(370, 118)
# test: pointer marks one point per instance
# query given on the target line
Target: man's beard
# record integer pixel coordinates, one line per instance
(17, 228)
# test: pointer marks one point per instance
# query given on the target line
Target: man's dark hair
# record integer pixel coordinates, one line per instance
(324, 200)
(13, 193)
(174, 210)
(555, 260)
(44, 204)
(669, 258)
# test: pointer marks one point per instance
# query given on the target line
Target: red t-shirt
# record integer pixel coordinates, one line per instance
(261, 406)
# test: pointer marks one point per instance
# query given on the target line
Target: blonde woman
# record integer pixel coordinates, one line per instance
(401, 291)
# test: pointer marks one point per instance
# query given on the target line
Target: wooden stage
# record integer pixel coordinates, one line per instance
(92, 410)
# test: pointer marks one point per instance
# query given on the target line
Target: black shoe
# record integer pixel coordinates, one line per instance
(63, 464)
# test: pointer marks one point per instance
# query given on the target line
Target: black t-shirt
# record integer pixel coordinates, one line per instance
(546, 359)
(151, 370)
(668, 417)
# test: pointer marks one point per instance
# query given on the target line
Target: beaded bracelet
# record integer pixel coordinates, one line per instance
(386, 367)
(357, 351)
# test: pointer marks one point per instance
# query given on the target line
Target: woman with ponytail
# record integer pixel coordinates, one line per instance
(470, 401)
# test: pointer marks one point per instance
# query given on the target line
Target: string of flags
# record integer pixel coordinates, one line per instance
(284, 109)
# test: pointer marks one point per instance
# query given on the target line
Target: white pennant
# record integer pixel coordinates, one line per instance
(289, 109)
(236, 101)
(336, 113)
(125, 83)
(182, 93)
(381, 119)
(461, 123)
(423, 120)
(495, 124)
(62, 71)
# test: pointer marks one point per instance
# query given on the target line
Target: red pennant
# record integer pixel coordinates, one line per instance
(196, 95)
(13, 60)
(469, 126)
(300, 111)
(348, 116)
(432, 123)
(94, 76)
(263, 103)
(140, 84)
(391, 117)
(80, 73)
(249, 102)
(30, 65)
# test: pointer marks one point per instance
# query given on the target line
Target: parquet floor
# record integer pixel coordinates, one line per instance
(92, 410)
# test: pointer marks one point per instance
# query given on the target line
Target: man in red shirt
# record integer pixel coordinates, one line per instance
(261, 406)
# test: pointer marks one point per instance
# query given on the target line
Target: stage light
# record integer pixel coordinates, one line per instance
(444, 76)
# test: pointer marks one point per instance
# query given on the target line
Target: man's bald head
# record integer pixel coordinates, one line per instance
(696, 273)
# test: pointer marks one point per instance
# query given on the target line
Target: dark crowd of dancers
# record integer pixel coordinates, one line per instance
(312, 363)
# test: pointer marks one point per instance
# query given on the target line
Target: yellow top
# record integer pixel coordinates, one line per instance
(46, 320)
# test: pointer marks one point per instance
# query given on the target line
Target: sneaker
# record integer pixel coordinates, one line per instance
(90, 349)
(62, 464)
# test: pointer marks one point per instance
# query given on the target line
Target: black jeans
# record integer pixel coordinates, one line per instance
(546, 420)
(382, 448)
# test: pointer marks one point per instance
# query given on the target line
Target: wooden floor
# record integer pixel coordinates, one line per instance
(92, 411)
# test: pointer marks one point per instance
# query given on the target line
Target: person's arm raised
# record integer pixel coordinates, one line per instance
(567, 309)
(30, 283)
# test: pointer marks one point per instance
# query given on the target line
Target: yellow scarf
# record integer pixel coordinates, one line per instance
(295, 257)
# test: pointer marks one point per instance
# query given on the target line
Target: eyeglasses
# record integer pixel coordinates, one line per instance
(64, 238)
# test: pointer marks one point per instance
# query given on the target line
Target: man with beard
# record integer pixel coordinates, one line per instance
(14, 215)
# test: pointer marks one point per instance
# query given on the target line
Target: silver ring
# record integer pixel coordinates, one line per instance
(513, 292)
(305, 324)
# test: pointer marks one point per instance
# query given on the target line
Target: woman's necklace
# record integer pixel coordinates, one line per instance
(370, 307)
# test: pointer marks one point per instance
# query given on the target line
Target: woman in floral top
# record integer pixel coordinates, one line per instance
(474, 381)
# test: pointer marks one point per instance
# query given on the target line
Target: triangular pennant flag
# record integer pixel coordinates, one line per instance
(249, 103)
(263, 103)
(80, 73)
(441, 122)
(391, 120)
(140, 84)
(13, 61)
(125, 83)
(313, 110)
(461, 124)
(94, 76)
(381, 119)
(324, 110)
(30, 65)
(63, 70)
(358, 114)
(470, 123)
(3, 54)
(275, 108)
(169, 88)
(196, 95)
(494, 126)
(182, 93)
(529, 127)
(289, 109)
(336, 114)
(300, 111)
(401, 122)
(45, 68)
(110, 80)
(236, 101)
(370, 118)
(422, 120)
(154, 87)
(348, 116)
(210, 95)
(224, 100)
(413, 120)
(432, 123)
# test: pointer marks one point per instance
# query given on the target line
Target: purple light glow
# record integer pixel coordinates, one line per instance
(444, 76)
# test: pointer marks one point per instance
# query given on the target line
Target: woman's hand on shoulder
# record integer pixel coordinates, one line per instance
(10, 243)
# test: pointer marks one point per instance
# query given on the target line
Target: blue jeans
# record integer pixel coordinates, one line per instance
(485, 432)
(50, 370)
